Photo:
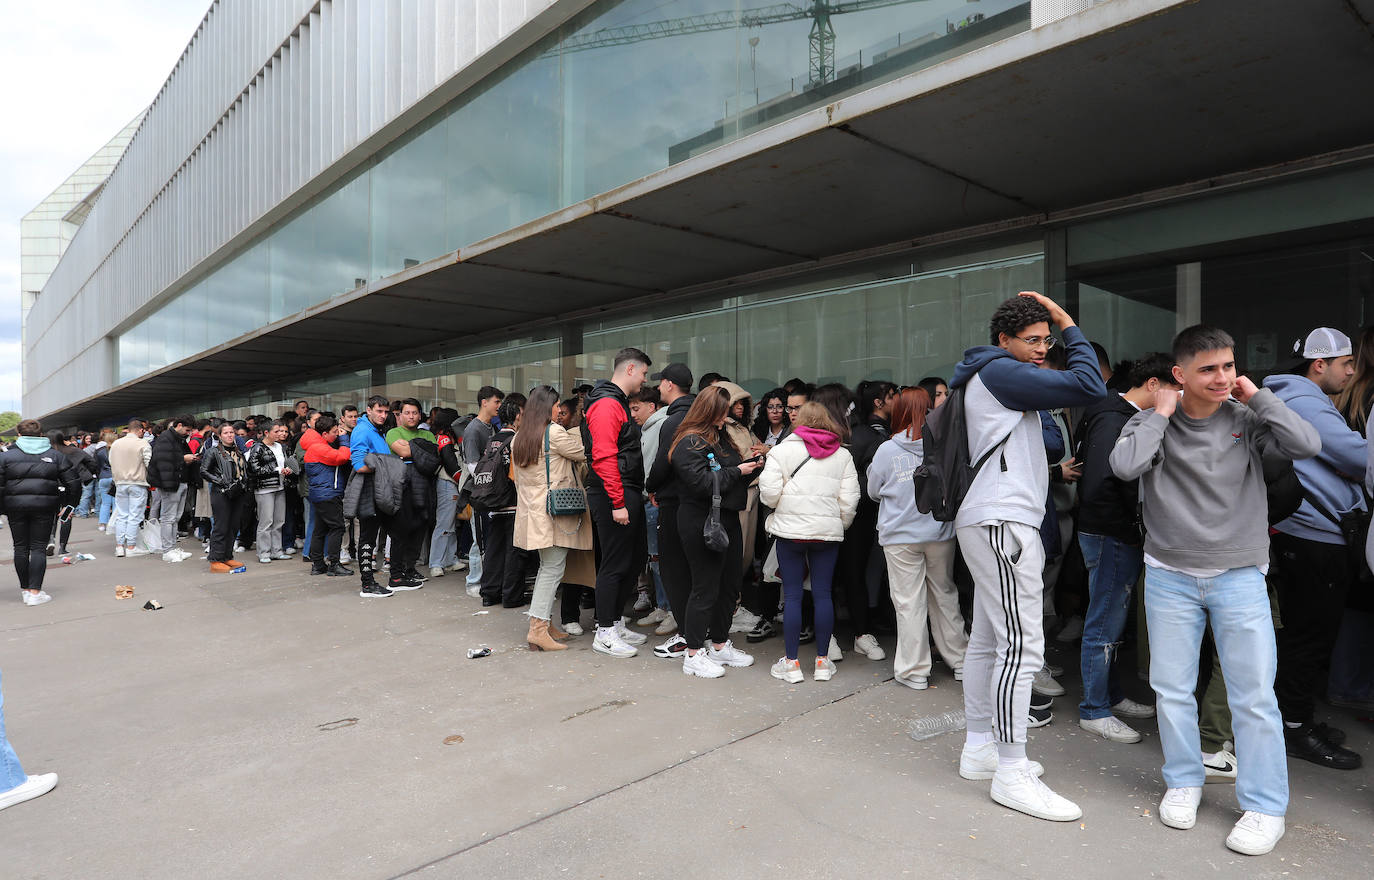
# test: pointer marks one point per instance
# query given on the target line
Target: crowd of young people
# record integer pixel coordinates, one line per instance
(715, 518)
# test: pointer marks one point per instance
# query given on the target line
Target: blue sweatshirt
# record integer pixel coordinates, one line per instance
(363, 439)
(1333, 477)
(889, 484)
(1002, 402)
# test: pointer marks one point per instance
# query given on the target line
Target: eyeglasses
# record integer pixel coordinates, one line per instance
(776, 407)
(1037, 341)
(793, 409)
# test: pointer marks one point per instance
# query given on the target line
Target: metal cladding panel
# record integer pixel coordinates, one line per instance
(267, 95)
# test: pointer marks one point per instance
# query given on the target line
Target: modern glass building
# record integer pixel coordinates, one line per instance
(330, 198)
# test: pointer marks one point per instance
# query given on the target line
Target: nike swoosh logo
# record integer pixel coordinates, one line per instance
(1225, 767)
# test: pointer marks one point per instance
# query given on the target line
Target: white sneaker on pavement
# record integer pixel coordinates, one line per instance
(1256, 833)
(1220, 766)
(1044, 683)
(458, 566)
(915, 682)
(627, 635)
(668, 626)
(36, 598)
(264, 560)
(474, 591)
(119, 550)
(743, 621)
(136, 551)
(572, 628)
(835, 654)
(1021, 790)
(608, 642)
(728, 655)
(675, 647)
(869, 647)
(788, 671)
(653, 618)
(344, 557)
(825, 669)
(701, 665)
(436, 571)
(1111, 728)
(1131, 709)
(981, 762)
(30, 788)
(1178, 807)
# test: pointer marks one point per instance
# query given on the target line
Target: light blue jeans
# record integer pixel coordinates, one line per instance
(129, 501)
(107, 500)
(1177, 608)
(443, 542)
(83, 508)
(11, 772)
(1113, 567)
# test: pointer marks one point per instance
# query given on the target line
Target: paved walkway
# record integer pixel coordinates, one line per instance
(272, 724)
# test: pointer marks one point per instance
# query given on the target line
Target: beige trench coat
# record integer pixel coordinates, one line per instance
(534, 528)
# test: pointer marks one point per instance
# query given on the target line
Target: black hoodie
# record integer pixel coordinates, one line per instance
(1107, 505)
(662, 481)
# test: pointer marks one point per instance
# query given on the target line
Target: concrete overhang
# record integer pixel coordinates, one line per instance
(1128, 97)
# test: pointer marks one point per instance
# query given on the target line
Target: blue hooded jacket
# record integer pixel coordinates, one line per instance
(1334, 476)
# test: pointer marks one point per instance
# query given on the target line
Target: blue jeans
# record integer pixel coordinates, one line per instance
(1177, 608)
(129, 502)
(11, 772)
(443, 542)
(106, 500)
(796, 561)
(309, 524)
(651, 522)
(83, 507)
(1113, 567)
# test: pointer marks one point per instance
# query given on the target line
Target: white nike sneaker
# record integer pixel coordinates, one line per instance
(608, 642)
(701, 665)
(1021, 790)
(728, 655)
(1178, 808)
(627, 635)
(981, 762)
(1256, 833)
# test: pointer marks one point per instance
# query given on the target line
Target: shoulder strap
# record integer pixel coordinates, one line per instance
(547, 478)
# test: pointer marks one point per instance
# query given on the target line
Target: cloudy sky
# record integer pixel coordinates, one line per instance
(75, 73)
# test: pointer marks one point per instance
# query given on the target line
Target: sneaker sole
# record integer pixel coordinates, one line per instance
(1047, 693)
(735, 664)
(823, 676)
(1032, 811)
(374, 595)
(402, 588)
(1032, 724)
(700, 674)
(668, 655)
(1251, 850)
(788, 677)
(1176, 824)
(1115, 739)
(596, 646)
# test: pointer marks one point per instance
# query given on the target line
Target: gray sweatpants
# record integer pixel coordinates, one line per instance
(1007, 645)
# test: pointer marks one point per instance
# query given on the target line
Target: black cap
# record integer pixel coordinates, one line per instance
(678, 374)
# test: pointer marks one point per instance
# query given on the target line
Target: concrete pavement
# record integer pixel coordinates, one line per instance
(275, 724)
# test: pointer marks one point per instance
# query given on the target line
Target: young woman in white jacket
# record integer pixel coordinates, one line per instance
(810, 483)
(919, 550)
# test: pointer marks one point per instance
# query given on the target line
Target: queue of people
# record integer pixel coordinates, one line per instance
(717, 519)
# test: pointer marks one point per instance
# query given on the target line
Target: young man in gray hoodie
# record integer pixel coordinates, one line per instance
(1312, 571)
(1199, 460)
(998, 526)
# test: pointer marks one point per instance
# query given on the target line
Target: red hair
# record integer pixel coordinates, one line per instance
(909, 412)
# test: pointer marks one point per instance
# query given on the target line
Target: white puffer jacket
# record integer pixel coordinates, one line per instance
(818, 503)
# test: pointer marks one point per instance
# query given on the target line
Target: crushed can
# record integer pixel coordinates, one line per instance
(483, 651)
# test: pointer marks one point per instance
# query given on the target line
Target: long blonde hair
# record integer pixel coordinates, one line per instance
(1355, 400)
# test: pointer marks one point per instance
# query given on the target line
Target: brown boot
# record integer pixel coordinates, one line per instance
(219, 568)
(556, 632)
(539, 637)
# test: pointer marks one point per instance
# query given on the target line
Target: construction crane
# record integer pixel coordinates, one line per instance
(822, 38)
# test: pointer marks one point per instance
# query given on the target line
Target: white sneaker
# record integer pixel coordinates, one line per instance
(344, 557)
(136, 551)
(458, 566)
(238, 548)
(981, 762)
(608, 642)
(300, 543)
(915, 682)
(629, 636)
(788, 671)
(958, 673)
(835, 654)
(1255, 834)
(436, 571)
(743, 621)
(1220, 767)
(1071, 631)
(1132, 709)
(474, 591)
(701, 665)
(264, 560)
(36, 598)
(1111, 728)
(119, 550)
(825, 670)
(573, 629)
(869, 647)
(1021, 790)
(668, 626)
(1178, 808)
(672, 649)
(728, 655)
(1044, 683)
(30, 788)
(653, 618)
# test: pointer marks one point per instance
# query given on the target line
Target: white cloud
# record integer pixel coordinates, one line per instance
(75, 73)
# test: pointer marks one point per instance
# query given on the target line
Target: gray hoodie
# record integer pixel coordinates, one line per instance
(1202, 482)
(889, 484)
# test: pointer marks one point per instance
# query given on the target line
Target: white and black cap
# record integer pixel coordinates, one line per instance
(1323, 343)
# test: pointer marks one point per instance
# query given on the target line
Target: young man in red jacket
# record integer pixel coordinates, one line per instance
(615, 497)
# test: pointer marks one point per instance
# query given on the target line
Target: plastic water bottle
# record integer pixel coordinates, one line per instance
(711, 460)
(926, 726)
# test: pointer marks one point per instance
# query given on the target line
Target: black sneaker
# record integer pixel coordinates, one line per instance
(315, 569)
(373, 591)
(51, 547)
(337, 571)
(1304, 742)
(1039, 717)
(413, 575)
(762, 630)
(808, 635)
(403, 584)
(1333, 735)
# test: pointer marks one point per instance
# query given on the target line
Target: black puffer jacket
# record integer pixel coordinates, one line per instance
(167, 467)
(37, 482)
(263, 471)
(693, 471)
(84, 464)
(662, 481)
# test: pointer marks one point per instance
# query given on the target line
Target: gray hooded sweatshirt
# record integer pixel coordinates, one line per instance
(1202, 481)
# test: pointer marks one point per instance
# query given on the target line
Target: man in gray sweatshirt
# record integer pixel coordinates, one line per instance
(1198, 457)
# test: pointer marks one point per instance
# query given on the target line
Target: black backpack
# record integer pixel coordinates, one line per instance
(945, 474)
(491, 487)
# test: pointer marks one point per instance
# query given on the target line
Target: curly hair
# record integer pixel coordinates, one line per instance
(1015, 315)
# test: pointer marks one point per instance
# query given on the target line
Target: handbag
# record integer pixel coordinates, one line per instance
(713, 532)
(561, 502)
